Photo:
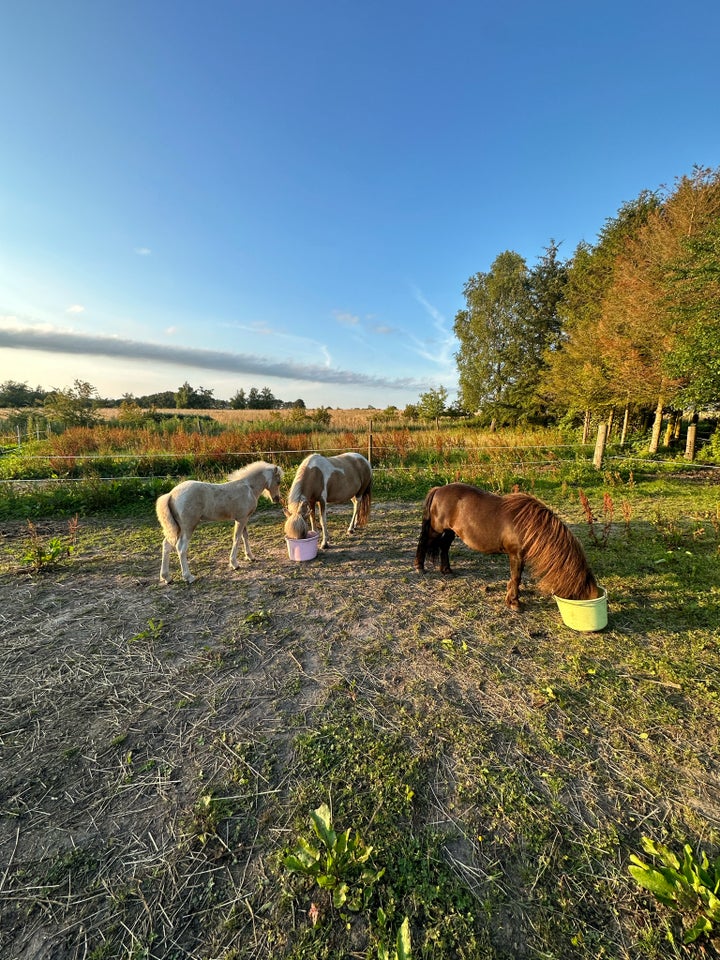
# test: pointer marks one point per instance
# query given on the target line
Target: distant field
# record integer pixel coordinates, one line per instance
(351, 419)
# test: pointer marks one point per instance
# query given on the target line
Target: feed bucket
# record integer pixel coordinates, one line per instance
(584, 614)
(304, 549)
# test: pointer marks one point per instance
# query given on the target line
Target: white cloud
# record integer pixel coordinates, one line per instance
(143, 251)
(441, 348)
(260, 328)
(346, 319)
(53, 341)
(75, 308)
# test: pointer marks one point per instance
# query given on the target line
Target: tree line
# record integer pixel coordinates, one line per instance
(19, 395)
(628, 324)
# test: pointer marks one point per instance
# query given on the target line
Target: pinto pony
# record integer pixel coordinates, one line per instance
(181, 510)
(322, 480)
(516, 524)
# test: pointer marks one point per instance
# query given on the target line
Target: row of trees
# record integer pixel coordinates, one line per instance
(17, 395)
(187, 397)
(631, 322)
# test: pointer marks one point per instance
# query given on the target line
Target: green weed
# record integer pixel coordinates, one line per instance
(690, 886)
(340, 863)
(40, 556)
(153, 632)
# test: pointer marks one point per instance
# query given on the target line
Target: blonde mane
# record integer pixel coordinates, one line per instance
(250, 470)
(295, 495)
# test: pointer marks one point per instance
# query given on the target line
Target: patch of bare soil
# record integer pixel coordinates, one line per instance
(147, 731)
(124, 702)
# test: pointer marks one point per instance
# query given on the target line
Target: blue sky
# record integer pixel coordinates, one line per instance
(293, 194)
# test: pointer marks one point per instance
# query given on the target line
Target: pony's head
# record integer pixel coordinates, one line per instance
(295, 526)
(272, 489)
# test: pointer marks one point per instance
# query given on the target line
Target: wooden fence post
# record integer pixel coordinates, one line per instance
(600, 446)
(690, 440)
(370, 443)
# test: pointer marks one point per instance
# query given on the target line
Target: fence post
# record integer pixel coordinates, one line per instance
(18, 436)
(370, 443)
(600, 446)
(690, 440)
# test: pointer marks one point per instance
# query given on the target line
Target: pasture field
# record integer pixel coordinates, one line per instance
(163, 747)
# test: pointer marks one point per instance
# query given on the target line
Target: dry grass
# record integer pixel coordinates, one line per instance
(349, 419)
(151, 761)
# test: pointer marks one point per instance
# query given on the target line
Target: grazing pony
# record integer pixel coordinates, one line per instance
(322, 480)
(516, 524)
(181, 510)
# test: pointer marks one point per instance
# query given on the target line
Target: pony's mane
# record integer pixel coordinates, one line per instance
(294, 496)
(554, 553)
(250, 470)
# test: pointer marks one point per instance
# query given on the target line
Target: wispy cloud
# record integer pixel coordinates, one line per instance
(36, 338)
(346, 319)
(75, 308)
(143, 251)
(440, 348)
(294, 340)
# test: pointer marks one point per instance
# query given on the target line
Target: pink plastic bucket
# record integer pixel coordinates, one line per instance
(305, 549)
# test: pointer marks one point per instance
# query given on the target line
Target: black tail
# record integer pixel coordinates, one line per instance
(428, 542)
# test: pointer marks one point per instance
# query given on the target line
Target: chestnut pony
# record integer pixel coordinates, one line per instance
(191, 501)
(516, 524)
(322, 480)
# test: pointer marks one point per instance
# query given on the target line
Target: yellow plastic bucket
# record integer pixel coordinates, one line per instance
(585, 615)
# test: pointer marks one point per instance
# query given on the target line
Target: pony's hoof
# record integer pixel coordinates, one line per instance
(189, 578)
(165, 580)
(419, 569)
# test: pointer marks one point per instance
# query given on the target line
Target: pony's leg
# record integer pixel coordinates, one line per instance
(324, 541)
(512, 598)
(353, 519)
(421, 551)
(446, 538)
(240, 533)
(182, 550)
(165, 562)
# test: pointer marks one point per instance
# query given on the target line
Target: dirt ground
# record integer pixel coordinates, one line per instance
(126, 705)
(122, 698)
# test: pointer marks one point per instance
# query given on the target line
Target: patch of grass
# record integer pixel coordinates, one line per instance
(376, 780)
(502, 767)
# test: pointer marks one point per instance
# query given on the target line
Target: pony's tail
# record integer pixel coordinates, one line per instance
(365, 505)
(551, 549)
(428, 546)
(167, 517)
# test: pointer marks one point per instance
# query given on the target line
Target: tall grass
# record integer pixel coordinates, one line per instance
(114, 466)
